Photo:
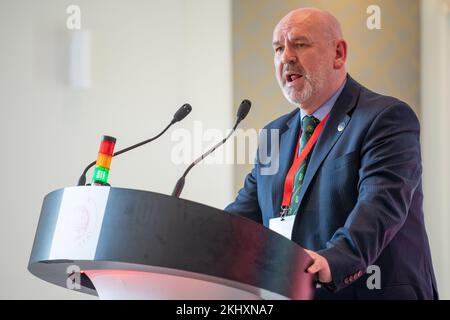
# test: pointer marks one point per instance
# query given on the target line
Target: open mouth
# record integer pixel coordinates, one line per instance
(291, 77)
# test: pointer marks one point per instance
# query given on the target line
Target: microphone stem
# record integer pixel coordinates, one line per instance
(180, 184)
(203, 156)
(142, 143)
(125, 150)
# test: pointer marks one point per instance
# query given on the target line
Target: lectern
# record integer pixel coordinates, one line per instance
(130, 244)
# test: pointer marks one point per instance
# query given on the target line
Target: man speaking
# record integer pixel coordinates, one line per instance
(349, 184)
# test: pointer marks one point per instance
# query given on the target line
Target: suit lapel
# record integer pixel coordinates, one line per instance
(288, 142)
(339, 117)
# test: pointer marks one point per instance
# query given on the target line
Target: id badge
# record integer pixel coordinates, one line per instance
(283, 227)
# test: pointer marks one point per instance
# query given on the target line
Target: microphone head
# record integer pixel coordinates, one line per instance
(182, 113)
(244, 109)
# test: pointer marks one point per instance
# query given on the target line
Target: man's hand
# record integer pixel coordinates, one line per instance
(320, 267)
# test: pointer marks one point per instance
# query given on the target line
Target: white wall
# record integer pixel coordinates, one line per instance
(148, 58)
(436, 133)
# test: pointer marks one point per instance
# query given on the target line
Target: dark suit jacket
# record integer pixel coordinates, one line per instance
(361, 199)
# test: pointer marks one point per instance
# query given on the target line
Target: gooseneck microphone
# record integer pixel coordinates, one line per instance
(179, 115)
(243, 111)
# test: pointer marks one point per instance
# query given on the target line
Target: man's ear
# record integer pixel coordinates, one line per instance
(341, 54)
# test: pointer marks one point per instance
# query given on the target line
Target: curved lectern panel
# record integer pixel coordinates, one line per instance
(137, 244)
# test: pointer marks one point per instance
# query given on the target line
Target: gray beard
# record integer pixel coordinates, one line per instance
(312, 86)
(305, 94)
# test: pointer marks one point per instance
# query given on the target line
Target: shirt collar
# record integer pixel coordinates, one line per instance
(325, 108)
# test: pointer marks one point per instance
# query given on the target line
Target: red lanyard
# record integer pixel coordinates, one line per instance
(298, 159)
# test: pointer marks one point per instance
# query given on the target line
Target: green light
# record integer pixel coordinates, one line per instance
(100, 176)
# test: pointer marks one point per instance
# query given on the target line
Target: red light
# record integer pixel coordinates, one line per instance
(107, 145)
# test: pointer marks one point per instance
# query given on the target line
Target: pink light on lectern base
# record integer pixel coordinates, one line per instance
(136, 285)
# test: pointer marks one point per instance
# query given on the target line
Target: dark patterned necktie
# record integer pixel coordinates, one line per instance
(309, 124)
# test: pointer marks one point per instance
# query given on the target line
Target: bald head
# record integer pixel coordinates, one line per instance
(310, 57)
(322, 21)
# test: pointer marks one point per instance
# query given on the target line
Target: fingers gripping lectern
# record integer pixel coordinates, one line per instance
(129, 244)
